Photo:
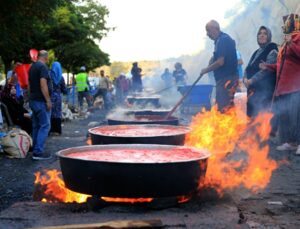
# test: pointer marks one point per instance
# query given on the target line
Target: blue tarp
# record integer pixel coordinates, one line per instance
(199, 96)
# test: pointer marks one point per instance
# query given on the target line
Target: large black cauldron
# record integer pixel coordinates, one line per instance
(132, 179)
(159, 112)
(142, 120)
(143, 101)
(139, 134)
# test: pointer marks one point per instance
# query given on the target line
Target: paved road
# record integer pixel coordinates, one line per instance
(278, 206)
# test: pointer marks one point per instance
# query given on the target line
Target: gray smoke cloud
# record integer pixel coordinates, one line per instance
(169, 97)
(245, 18)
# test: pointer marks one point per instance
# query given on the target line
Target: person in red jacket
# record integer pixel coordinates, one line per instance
(287, 90)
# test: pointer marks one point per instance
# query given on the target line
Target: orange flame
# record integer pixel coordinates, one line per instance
(238, 147)
(127, 200)
(55, 188)
(183, 199)
(89, 141)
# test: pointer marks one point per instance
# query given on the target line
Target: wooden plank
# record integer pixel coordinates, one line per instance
(119, 224)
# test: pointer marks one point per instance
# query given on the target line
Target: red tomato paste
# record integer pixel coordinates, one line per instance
(141, 155)
(139, 131)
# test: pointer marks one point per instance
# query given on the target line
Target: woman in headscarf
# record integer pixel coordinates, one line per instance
(260, 83)
(287, 91)
(19, 115)
(59, 87)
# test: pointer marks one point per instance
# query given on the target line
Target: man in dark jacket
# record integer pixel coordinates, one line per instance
(224, 66)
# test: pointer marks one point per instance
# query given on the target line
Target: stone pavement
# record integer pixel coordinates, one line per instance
(278, 206)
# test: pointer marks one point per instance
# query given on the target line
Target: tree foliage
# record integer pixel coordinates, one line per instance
(83, 53)
(94, 15)
(53, 24)
(22, 27)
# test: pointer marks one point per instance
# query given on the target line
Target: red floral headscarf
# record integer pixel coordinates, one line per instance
(291, 23)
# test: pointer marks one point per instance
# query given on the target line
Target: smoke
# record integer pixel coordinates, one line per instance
(168, 95)
(244, 20)
(120, 113)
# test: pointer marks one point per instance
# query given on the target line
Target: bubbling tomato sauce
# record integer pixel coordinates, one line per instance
(141, 155)
(139, 131)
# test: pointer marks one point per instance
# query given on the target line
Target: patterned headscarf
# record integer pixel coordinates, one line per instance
(269, 35)
(291, 23)
(56, 72)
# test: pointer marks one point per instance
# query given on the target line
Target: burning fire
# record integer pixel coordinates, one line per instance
(238, 147)
(127, 200)
(89, 141)
(239, 156)
(54, 190)
(183, 199)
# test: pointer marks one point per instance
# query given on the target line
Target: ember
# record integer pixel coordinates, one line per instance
(226, 137)
(183, 199)
(127, 200)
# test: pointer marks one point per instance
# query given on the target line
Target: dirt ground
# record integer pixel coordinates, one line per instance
(17, 175)
(278, 206)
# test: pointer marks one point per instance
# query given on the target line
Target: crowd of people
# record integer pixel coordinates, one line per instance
(271, 77)
(112, 92)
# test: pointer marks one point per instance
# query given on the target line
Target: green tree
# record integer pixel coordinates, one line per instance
(69, 35)
(72, 33)
(94, 15)
(52, 24)
(66, 27)
(22, 26)
(83, 53)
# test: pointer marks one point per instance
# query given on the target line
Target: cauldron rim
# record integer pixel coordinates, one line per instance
(63, 153)
(184, 132)
(132, 110)
(171, 118)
